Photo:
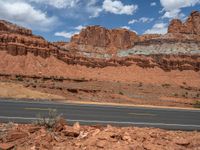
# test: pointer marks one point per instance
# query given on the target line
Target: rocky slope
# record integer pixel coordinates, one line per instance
(62, 136)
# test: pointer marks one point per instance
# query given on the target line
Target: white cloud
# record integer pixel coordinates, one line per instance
(143, 20)
(128, 28)
(172, 8)
(158, 28)
(153, 4)
(177, 4)
(117, 7)
(93, 9)
(132, 21)
(68, 35)
(176, 13)
(146, 20)
(24, 14)
(58, 3)
(75, 8)
(65, 34)
(80, 27)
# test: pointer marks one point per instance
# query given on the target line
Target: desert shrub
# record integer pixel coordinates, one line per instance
(175, 94)
(121, 93)
(19, 78)
(198, 95)
(166, 85)
(48, 121)
(140, 84)
(197, 104)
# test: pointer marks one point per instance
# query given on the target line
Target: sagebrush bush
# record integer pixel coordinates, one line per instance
(50, 120)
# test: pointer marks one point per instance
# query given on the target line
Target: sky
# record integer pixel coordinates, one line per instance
(58, 20)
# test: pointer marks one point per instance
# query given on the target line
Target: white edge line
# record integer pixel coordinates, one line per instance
(110, 122)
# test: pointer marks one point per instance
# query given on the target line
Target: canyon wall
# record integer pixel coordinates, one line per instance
(97, 46)
(111, 40)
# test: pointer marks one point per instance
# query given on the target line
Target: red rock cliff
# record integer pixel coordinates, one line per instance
(97, 36)
(17, 40)
(9, 27)
(191, 26)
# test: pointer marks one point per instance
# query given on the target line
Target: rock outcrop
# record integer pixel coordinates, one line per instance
(191, 26)
(12, 28)
(112, 40)
(17, 40)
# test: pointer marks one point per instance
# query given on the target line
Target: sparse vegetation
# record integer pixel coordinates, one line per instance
(50, 120)
(19, 78)
(175, 94)
(121, 93)
(140, 84)
(197, 104)
(166, 85)
(198, 95)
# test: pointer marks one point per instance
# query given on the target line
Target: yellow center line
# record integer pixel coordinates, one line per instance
(41, 109)
(142, 114)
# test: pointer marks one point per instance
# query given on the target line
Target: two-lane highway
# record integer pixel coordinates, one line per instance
(27, 111)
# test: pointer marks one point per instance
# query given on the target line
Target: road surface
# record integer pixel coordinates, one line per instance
(89, 114)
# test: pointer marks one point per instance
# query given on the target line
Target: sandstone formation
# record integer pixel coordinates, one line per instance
(96, 46)
(191, 26)
(17, 40)
(12, 28)
(112, 40)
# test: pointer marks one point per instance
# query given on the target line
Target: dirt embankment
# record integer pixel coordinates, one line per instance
(62, 136)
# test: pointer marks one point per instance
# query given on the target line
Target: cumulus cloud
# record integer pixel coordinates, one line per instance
(143, 20)
(68, 35)
(65, 34)
(177, 4)
(74, 7)
(128, 28)
(153, 4)
(158, 28)
(58, 3)
(176, 13)
(24, 14)
(172, 8)
(93, 9)
(132, 21)
(117, 7)
(80, 27)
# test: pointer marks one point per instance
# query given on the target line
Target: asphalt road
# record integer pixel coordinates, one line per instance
(175, 119)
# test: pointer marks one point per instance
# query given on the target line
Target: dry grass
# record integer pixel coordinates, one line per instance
(12, 90)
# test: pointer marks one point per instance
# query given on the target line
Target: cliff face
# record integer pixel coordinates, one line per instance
(95, 46)
(12, 28)
(112, 40)
(191, 26)
(19, 41)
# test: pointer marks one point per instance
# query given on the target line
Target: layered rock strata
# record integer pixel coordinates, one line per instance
(96, 46)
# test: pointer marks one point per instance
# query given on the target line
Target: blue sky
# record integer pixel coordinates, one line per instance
(60, 19)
